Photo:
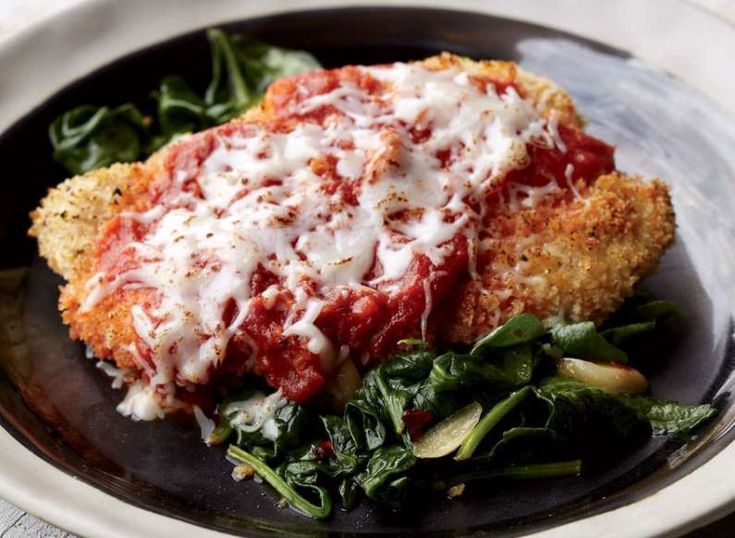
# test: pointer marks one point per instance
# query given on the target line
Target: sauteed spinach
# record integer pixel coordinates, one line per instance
(89, 137)
(426, 420)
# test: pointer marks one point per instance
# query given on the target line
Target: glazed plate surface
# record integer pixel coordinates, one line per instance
(62, 408)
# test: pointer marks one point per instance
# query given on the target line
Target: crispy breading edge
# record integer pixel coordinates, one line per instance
(581, 265)
(71, 214)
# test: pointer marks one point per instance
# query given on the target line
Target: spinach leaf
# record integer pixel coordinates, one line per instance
(346, 456)
(89, 137)
(410, 366)
(242, 68)
(504, 359)
(440, 404)
(619, 335)
(180, 111)
(669, 417)
(384, 478)
(581, 340)
(389, 388)
(661, 416)
(520, 329)
(288, 490)
(267, 63)
(507, 368)
(228, 94)
(308, 468)
(364, 422)
(591, 417)
(451, 369)
(638, 315)
(291, 424)
(518, 365)
(389, 399)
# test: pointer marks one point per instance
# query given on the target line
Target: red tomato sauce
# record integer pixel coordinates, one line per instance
(369, 321)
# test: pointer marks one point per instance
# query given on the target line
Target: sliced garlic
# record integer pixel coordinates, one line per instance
(611, 377)
(343, 386)
(445, 437)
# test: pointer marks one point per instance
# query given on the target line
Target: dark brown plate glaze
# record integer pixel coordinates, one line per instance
(61, 407)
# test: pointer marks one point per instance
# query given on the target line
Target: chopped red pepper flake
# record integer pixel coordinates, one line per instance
(416, 421)
(324, 450)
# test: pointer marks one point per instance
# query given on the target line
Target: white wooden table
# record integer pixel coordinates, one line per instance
(15, 523)
(16, 15)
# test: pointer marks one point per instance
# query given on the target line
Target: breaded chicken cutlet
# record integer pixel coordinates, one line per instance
(353, 208)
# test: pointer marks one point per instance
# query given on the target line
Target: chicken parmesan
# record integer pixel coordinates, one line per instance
(352, 209)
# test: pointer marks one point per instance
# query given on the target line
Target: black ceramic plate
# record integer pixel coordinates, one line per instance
(61, 407)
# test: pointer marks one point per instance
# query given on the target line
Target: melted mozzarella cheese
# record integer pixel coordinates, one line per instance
(117, 375)
(258, 413)
(263, 204)
(141, 403)
(206, 424)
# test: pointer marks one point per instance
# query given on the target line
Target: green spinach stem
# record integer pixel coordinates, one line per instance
(488, 422)
(287, 491)
(517, 472)
(395, 412)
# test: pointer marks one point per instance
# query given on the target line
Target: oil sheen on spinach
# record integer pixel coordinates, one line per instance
(535, 425)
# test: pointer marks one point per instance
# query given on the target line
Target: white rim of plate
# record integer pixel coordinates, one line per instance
(98, 31)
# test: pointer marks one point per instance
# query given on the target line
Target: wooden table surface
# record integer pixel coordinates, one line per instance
(16, 15)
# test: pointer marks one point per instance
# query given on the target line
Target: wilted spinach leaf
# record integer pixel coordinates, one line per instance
(305, 478)
(520, 329)
(291, 423)
(581, 340)
(347, 455)
(505, 369)
(669, 417)
(390, 387)
(365, 424)
(89, 137)
(384, 478)
(663, 417)
(638, 315)
(529, 429)
(590, 416)
(180, 110)
(242, 68)
(619, 335)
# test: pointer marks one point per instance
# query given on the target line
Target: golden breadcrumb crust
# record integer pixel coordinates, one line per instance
(574, 260)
